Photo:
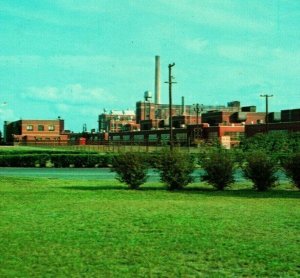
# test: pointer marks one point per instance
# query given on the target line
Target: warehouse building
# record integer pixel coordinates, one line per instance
(35, 132)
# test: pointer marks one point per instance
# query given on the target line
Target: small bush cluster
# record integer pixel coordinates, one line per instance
(261, 170)
(131, 169)
(218, 167)
(292, 168)
(176, 169)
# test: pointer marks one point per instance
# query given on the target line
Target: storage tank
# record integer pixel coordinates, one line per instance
(147, 95)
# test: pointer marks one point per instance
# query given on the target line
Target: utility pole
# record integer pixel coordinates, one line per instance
(170, 104)
(266, 96)
(197, 109)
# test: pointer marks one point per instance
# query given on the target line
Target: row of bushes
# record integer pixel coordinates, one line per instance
(20, 151)
(67, 159)
(176, 169)
(56, 160)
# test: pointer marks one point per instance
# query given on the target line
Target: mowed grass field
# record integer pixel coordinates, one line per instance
(73, 228)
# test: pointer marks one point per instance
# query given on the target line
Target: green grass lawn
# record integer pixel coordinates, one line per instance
(71, 228)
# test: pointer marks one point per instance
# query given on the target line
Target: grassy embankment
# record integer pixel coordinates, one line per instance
(57, 228)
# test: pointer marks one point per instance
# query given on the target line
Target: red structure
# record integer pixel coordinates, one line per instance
(228, 135)
(228, 118)
(35, 132)
(251, 130)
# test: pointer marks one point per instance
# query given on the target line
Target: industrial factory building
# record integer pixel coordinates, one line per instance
(150, 123)
(287, 121)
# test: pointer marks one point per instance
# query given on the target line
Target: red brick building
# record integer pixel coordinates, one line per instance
(228, 118)
(228, 135)
(251, 130)
(35, 132)
(287, 121)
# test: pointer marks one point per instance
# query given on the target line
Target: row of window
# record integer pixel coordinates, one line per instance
(40, 128)
(46, 139)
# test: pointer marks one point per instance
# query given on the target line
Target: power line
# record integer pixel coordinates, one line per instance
(266, 96)
(170, 82)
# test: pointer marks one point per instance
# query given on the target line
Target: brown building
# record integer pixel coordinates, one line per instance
(181, 114)
(116, 120)
(251, 130)
(227, 118)
(183, 121)
(35, 131)
(287, 121)
(228, 135)
(151, 111)
(291, 115)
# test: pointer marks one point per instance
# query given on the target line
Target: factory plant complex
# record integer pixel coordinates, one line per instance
(151, 121)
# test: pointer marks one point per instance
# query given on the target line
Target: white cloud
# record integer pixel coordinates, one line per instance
(196, 45)
(93, 63)
(274, 60)
(20, 60)
(52, 16)
(59, 60)
(213, 13)
(97, 64)
(62, 107)
(287, 62)
(6, 114)
(70, 94)
(250, 52)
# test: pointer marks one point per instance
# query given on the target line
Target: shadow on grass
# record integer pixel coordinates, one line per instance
(208, 192)
(246, 193)
(96, 188)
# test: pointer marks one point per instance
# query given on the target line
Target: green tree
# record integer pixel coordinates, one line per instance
(276, 144)
(292, 168)
(176, 169)
(261, 169)
(131, 169)
(218, 166)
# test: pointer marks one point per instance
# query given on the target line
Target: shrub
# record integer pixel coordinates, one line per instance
(261, 170)
(292, 168)
(62, 160)
(26, 160)
(176, 169)
(77, 160)
(218, 167)
(58, 159)
(18, 160)
(273, 143)
(41, 160)
(130, 168)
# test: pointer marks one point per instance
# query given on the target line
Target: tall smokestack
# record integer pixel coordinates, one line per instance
(157, 80)
(182, 106)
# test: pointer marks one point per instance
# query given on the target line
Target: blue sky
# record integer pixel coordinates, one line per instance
(72, 58)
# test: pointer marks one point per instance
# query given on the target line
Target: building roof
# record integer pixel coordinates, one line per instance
(122, 112)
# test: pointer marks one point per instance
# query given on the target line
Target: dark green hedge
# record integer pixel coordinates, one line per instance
(27, 160)
(57, 160)
(41, 151)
